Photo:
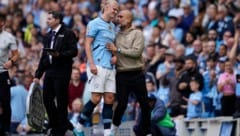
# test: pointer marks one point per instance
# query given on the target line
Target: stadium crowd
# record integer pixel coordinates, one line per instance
(192, 53)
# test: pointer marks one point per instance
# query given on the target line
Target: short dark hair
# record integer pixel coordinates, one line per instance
(211, 58)
(2, 16)
(192, 59)
(57, 15)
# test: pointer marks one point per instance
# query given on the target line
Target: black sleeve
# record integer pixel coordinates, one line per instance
(71, 50)
(43, 61)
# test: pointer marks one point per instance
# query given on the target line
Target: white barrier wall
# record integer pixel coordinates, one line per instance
(220, 126)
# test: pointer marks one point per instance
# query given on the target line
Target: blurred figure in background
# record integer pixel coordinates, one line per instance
(76, 87)
(18, 103)
(8, 45)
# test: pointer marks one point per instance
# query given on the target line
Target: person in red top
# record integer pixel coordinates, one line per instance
(76, 87)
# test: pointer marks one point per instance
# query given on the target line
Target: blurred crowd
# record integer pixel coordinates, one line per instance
(185, 41)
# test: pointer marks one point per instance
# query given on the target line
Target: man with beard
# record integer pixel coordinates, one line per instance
(211, 47)
(212, 34)
(130, 76)
(183, 85)
(175, 96)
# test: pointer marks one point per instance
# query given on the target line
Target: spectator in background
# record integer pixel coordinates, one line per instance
(176, 10)
(224, 22)
(202, 57)
(180, 51)
(154, 57)
(161, 122)
(214, 94)
(28, 29)
(194, 105)
(198, 25)
(227, 85)
(151, 84)
(189, 39)
(172, 30)
(223, 50)
(211, 45)
(74, 114)
(18, 103)
(207, 76)
(212, 35)
(153, 22)
(175, 96)
(197, 49)
(233, 7)
(234, 56)
(155, 37)
(187, 18)
(166, 69)
(163, 91)
(221, 66)
(76, 87)
(211, 17)
(68, 18)
(8, 45)
(165, 6)
(226, 36)
(28, 80)
(183, 85)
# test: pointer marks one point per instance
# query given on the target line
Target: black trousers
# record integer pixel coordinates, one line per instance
(228, 103)
(55, 97)
(5, 106)
(237, 104)
(127, 82)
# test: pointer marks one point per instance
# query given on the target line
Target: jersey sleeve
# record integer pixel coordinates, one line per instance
(91, 29)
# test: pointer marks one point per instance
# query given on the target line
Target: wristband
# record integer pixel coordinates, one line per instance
(119, 50)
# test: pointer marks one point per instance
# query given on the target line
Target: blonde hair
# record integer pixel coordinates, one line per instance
(107, 2)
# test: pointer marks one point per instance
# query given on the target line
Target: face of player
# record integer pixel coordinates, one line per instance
(111, 9)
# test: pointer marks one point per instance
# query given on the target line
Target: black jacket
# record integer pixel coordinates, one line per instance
(187, 77)
(66, 44)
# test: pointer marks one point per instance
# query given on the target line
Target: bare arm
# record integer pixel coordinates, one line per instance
(220, 87)
(88, 49)
(13, 59)
(194, 102)
(233, 51)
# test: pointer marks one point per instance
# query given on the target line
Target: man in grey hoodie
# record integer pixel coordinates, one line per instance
(130, 76)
